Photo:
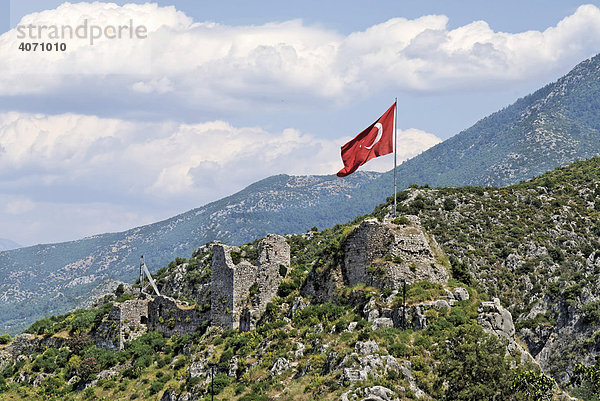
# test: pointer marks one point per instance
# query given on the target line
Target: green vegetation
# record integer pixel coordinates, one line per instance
(499, 242)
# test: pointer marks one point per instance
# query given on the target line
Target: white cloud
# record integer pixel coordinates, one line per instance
(411, 142)
(17, 205)
(217, 66)
(80, 167)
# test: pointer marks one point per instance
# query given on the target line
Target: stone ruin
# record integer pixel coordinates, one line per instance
(125, 322)
(240, 292)
(130, 319)
(383, 254)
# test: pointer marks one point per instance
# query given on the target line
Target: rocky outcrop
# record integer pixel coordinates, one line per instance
(382, 255)
(240, 292)
(498, 321)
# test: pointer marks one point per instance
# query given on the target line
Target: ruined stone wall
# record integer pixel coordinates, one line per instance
(241, 292)
(244, 278)
(383, 254)
(166, 316)
(125, 322)
(230, 288)
(274, 254)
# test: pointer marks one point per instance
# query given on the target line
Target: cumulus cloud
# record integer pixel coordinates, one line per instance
(205, 64)
(17, 205)
(411, 142)
(146, 171)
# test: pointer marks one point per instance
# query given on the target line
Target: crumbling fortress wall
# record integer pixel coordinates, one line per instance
(240, 292)
(125, 322)
(169, 317)
(383, 254)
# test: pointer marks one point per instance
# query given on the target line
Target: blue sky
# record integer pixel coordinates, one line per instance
(120, 133)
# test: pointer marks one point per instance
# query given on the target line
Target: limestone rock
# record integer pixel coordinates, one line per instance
(371, 364)
(379, 393)
(233, 367)
(412, 383)
(280, 366)
(198, 369)
(382, 322)
(366, 347)
(461, 294)
(23, 344)
(169, 395)
(297, 306)
(5, 359)
(498, 321)
(353, 375)
(39, 379)
(514, 261)
(391, 364)
(300, 348)
(495, 319)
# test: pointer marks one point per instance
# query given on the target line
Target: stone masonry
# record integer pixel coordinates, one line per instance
(240, 293)
(169, 317)
(125, 322)
(382, 254)
(130, 319)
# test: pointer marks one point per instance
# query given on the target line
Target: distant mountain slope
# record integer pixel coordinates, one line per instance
(49, 279)
(554, 126)
(6, 244)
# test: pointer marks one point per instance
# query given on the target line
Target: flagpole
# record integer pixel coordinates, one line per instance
(395, 146)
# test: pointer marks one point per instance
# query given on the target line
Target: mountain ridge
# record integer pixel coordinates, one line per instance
(555, 125)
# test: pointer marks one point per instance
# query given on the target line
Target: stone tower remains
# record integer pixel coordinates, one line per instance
(383, 254)
(240, 292)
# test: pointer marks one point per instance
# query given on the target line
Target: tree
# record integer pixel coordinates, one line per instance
(473, 366)
(534, 386)
(587, 378)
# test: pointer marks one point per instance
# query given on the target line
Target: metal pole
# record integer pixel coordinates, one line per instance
(141, 275)
(212, 365)
(395, 146)
(403, 304)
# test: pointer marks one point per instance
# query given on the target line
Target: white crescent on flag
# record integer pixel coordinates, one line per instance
(379, 133)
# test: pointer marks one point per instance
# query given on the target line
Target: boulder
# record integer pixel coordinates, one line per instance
(366, 347)
(280, 366)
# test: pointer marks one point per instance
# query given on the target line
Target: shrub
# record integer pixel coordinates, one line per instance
(236, 257)
(401, 221)
(220, 381)
(5, 339)
(591, 313)
(449, 204)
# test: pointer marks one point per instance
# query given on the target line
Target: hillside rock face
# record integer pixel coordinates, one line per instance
(498, 321)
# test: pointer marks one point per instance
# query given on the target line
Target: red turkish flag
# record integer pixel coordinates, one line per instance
(376, 140)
